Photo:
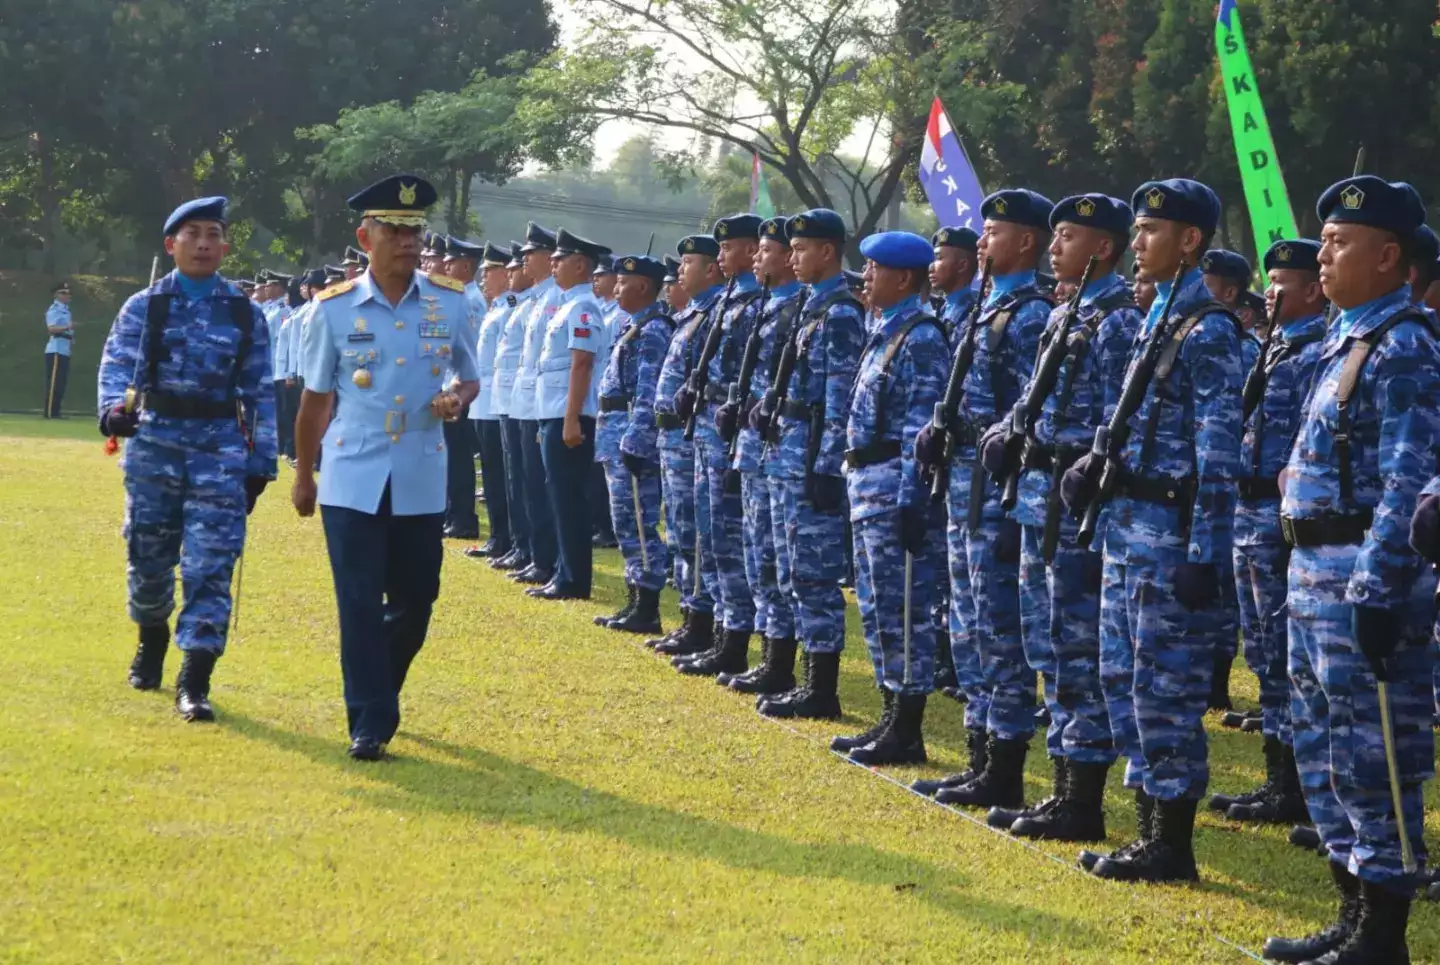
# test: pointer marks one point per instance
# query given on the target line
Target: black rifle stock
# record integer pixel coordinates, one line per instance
(1255, 381)
(780, 388)
(947, 409)
(700, 375)
(740, 390)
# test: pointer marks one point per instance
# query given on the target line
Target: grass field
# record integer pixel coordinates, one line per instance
(558, 793)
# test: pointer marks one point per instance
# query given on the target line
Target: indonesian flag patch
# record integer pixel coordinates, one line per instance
(583, 329)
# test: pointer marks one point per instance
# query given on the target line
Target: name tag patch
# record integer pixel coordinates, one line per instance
(434, 329)
(582, 333)
(360, 337)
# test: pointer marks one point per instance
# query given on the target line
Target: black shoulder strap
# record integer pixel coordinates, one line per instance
(1167, 362)
(1122, 297)
(242, 314)
(157, 312)
(892, 349)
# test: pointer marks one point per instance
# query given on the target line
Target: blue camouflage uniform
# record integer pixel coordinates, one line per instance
(186, 467)
(543, 305)
(1061, 601)
(626, 427)
(508, 347)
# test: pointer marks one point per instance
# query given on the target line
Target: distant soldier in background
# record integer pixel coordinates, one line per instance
(61, 330)
(675, 294)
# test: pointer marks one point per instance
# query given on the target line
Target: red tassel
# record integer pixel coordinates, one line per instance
(112, 446)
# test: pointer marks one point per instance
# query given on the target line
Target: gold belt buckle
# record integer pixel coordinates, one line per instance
(394, 424)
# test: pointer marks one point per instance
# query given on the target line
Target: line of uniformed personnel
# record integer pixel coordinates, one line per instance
(1097, 483)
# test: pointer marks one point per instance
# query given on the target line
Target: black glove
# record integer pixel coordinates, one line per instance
(1197, 585)
(930, 446)
(727, 420)
(1007, 542)
(731, 482)
(634, 464)
(117, 422)
(760, 419)
(914, 524)
(1377, 631)
(254, 486)
(1425, 528)
(998, 449)
(684, 403)
(1080, 483)
(827, 493)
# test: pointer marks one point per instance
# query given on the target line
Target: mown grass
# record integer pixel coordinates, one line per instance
(558, 793)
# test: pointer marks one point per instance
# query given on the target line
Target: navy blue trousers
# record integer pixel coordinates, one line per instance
(567, 479)
(460, 474)
(492, 477)
(537, 500)
(515, 500)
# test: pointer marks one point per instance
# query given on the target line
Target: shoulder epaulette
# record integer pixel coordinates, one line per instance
(339, 288)
(445, 281)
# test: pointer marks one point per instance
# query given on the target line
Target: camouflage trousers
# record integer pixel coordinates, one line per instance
(993, 554)
(904, 661)
(1060, 625)
(677, 481)
(185, 508)
(1260, 585)
(1156, 673)
(774, 615)
(719, 517)
(964, 651)
(644, 570)
(809, 564)
(1225, 618)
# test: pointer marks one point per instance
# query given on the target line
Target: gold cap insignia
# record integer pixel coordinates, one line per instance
(722, 230)
(1000, 206)
(771, 228)
(407, 193)
(798, 224)
(1282, 253)
(944, 236)
(629, 264)
(1207, 263)
(1352, 198)
(1154, 198)
(689, 244)
(1085, 208)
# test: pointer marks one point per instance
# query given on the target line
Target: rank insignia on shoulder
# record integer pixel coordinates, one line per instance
(445, 281)
(339, 288)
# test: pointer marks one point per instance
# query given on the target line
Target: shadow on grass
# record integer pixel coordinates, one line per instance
(487, 787)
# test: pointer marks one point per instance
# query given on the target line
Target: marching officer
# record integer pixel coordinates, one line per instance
(1167, 533)
(625, 439)
(61, 329)
(186, 377)
(804, 415)
(898, 553)
(508, 347)
(1360, 600)
(385, 344)
(1274, 398)
(495, 288)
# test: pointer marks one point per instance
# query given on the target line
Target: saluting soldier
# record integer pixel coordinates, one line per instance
(495, 284)
(186, 377)
(508, 348)
(385, 344)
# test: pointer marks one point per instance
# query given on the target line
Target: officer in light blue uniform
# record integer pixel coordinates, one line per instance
(488, 432)
(61, 329)
(508, 346)
(566, 406)
(386, 344)
(460, 260)
(186, 377)
(603, 282)
(625, 439)
(1361, 601)
(539, 245)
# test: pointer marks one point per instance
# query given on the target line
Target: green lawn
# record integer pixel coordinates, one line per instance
(558, 792)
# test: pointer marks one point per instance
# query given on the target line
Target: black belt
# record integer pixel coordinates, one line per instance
(716, 393)
(183, 407)
(614, 403)
(1259, 488)
(882, 450)
(1163, 490)
(668, 420)
(796, 410)
(1333, 530)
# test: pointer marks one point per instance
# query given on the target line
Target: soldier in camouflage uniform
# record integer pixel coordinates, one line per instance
(186, 377)
(1360, 600)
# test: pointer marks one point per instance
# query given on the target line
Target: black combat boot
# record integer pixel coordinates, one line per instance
(1003, 818)
(1000, 785)
(902, 742)
(1379, 936)
(1168, 856)
(1144, 830)
(620, 614)
(644, 617)
(1285, 804)
(192, 686)
(1333, 935)
(654, 642)
(731, 656)
(1078, 816)
(802, 679)
(817, 698)
(148, 667)
(755, 671)
(1220, 683)
(1307, 838)
(975, 743)
(698, 637)
(845, 745)
(1223, 802)
(776, 675)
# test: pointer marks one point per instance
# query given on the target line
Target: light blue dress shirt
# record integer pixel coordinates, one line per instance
(58, 316)
(544, 303)
(578, 324)
(487, 344)
(510, 343)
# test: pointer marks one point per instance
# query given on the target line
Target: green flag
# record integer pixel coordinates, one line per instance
(760, 201)
(1265, 195)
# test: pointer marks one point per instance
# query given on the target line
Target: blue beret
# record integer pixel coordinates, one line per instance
(1226, 264)
(1368, 200)
(517, 255)
(1426, 250)
(898, 249)
(741, 226)
(537, 239)
(201, 209)
(603, 266)
(698, 245)
(821, 223)
(455, 248)
(316, 276)
(1178, 199)
(854, 279)
(642, 265)
(1300, 254)
(568, 244)
(400, 199)
(672, 270)
(1098, 211)
(1018, 206)
(775, 229)
(953, 237)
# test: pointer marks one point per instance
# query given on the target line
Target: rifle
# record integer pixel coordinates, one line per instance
(132, 391)
(780, 388)
(1047, 371)
(700, 375)
(740, 388)
(1255, 382)
(1111, 439)
(948, 408)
